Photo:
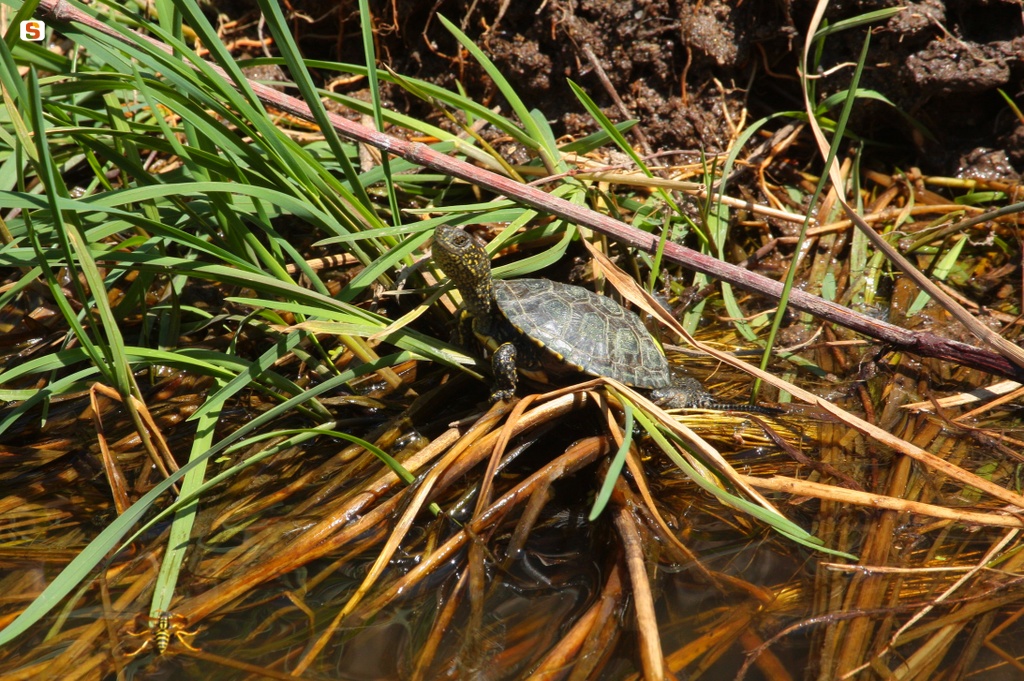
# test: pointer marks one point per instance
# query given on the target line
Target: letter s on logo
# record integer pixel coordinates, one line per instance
(33, 30)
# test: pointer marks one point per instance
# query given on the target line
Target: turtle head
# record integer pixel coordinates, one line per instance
(468, 265)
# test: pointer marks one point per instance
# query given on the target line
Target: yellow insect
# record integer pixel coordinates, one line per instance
(160, 630)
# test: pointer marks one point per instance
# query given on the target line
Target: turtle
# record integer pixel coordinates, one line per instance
(541, 327)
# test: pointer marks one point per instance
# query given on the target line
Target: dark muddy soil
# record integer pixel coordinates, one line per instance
(687, 68)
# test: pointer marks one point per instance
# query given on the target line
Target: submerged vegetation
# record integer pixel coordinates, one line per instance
(240, 440)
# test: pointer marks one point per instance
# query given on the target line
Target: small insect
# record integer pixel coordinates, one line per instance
(160, 631)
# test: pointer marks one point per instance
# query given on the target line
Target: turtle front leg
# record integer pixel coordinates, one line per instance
(503, 365)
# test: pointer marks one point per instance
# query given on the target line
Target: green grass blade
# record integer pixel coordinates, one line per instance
(180, 534)
(617, 462)
(941, 271)
(859, 20)
(609, 129)
(366, 29)
(549, 156)
(822, 182)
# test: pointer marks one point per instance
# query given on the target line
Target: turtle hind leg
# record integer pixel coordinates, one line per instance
(503, 364)
(688, 393)
(684, 393)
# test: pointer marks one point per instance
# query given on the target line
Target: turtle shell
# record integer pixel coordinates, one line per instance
(590, 332)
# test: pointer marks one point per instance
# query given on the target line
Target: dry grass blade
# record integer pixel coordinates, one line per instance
(255, 670)
(651, 657)
(717, 639)
(115, 477)
(590, 634)
(156, 445)
(807, 488)
(696, 189)
(487, 483)
(1000, 388)
(941, 636)
(439, 629)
